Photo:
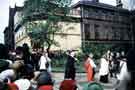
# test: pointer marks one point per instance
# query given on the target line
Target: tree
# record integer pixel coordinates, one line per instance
(53, 11)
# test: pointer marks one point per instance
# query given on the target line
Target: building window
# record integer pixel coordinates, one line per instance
(87, 31)
(96, 29)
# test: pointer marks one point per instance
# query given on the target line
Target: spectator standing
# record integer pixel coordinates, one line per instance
(111, 64)
(123, 76)
(45, 63)
(27, 55)
(131, 67)
(35, 59)
(70, 70)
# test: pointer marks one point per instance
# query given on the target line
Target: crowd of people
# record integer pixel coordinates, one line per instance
(24, 70)
(116, 65)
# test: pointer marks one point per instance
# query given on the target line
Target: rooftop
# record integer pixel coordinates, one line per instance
(100, 5)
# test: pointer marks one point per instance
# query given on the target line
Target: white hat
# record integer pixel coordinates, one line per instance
(23, 84)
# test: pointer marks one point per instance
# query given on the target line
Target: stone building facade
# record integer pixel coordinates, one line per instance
(102, 23)
(98, 23)
(69, 36)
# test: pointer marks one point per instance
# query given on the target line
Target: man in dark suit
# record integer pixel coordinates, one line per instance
(70, 66)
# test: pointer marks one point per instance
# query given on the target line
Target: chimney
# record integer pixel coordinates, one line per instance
(119, 4)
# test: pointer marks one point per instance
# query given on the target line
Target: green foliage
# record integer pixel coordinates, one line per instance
(49, 7)
(97, 49)
(43, 32)
(60, 58)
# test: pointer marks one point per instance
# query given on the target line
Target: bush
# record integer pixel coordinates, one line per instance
(58, 58)
(97, 49)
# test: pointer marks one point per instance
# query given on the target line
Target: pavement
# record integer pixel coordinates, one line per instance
(81, 79)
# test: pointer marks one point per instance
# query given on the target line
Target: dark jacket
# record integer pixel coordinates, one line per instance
(44, 79)
(70, 68)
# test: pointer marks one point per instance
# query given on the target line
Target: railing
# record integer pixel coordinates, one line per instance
(88, 42)
(75, 13)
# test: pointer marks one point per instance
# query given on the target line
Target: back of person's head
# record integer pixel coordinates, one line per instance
(19, 50)
(118, 55)
(104, 56)
(27, 71)
(44, 79)
(68, 84)
(26, 51)
(93, 86)
(25, 46)
(122, 54)
(86, 56)
(45, 53)
(23, 84)
(72, 53)
(91, 55)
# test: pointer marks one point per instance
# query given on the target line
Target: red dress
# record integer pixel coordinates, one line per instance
(89, 70)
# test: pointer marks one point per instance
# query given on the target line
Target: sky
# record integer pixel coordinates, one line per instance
(4, 12)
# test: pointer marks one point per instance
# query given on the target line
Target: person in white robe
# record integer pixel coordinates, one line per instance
(45, 62)
(104, 69)
(123, 76)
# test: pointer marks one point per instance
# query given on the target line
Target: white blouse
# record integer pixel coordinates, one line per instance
(104, 67)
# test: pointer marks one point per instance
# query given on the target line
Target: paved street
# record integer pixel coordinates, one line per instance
(81, 79)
